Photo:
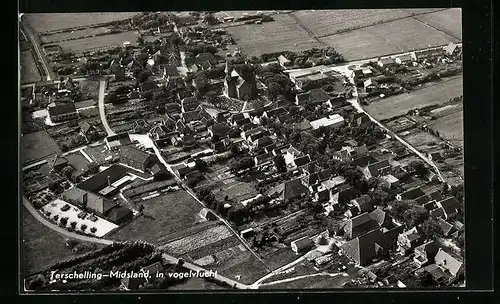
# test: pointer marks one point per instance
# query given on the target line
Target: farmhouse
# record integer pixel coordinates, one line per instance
(404, 59)
(113, 142)
(408, 240)
(62, 112)
(363, 249)
(333, 121)
(428, 54)
(219, 131)
(425, 253)
(292, 190)
(376, 169)
(410, 194)
(389, 181)
(284, 62)
(360, 205)
(148, 86)
(313, 97)
(370, 85)
(301, 245)
(447, 208)
(359, 225)
(383, 219)
(136, 158)
(451, 49)
(386, 62)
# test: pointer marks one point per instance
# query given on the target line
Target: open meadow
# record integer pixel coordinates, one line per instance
(53, 38)
(402, 35)
(329, 22)
(43, 247)
(450, 127)
(448, 21)
(37, 146)
(99, 41)
(162, 215)
(438, 93)
(282, 34)
(45, 22)
(29, 71)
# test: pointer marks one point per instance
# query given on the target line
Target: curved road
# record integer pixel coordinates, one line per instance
(102, 112)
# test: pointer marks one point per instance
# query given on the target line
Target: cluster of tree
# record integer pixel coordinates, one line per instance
(194, 50)
(369, 134)
(241, 164)
(419, 168)
(210, 19)
(150, 20)
(308, 58)
(276, 82)
(408, 212)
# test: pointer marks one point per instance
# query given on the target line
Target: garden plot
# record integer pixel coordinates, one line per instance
(103, 226)
(29, 71)
(37, 146)
(423, 141)
(198, 240)
(86, 44)
(450, 127)
(71, 35)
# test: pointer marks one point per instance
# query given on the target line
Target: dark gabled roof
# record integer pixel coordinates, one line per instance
(294, 189)
(220, 129)
(319, 176)
(135, 154)
(189, 99)
(429, 249)
(303, 97)
(347, 192)
(118, 213)
(387, 60)
(62, 109)
(318, 96)
(412, 194)
(203, 57)
(374, 168)
(300, 161)
(263, 157)
(172, 107)
(360, 225)
(382, 218)
(437, 213)
(191, 116)
(148, 86)
(393, 233)
(100, 180)
(276, 112)
(311, 167)
(264, 141)
(450, 204)
(243, 121)
(171, 70)
(364, 248)
(446, 227)
(364, 160)
(85, 126)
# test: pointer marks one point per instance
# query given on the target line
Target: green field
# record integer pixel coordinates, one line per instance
(450, 127)
(282, 34)
(44, 22)
(162, 216)
(328, 22)
(53, 38)
(42, 247)
(37, 146)
(438, 93)
(384, 39)
(29, 71)
(448, 21)
(99, 41)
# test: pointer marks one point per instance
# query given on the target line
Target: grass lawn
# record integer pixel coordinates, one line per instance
(37, 146)
(42, 247)
(250, 270)
(163, 215)
(438, 93)
(280, 258)
(45, 22)
(29, 71)
(283, 34)
(77, 161)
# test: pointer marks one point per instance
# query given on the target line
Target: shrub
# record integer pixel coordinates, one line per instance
(93, 229)
(83, 227)
(64, 221)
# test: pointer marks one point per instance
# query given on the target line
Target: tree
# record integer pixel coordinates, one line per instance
(92, 168)
(67, 172)
(235, 149)
(242, 164)
(143, 76)
(431, 229)
(201, 165)
(63, 221)
(72, 224)
(83, 227)
(93, 229)
(55, 187)
(279, 162)
(415, 215)
(140, 41)
(418, 167)
(210, 19)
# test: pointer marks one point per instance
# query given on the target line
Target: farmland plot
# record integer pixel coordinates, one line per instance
(388, 38)
(74, 34)
(37, 146)
(29, 71)
(450, 127)
(328, 22)
(448, 21)
(198, 240)
(280, 35)
(45, 22)
(99, 41)
(438, 93)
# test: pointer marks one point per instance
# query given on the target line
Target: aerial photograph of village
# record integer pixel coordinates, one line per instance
(244, 150)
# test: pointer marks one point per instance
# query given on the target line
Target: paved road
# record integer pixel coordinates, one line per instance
(31, 36)
(102, 112)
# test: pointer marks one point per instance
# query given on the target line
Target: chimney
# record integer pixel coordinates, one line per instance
(109, 181)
